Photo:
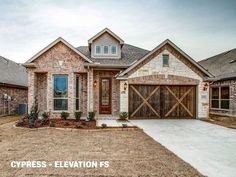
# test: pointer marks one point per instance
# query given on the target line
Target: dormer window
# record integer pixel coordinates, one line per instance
(105, 50)
(113, 50)
(98, 50)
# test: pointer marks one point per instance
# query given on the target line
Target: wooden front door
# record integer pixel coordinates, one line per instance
(154, 101)
(105, 96)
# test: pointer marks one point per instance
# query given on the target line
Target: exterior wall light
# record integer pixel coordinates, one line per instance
(95, 83)
(125, 86)
(205, 87)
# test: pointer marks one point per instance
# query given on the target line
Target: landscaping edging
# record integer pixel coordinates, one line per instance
(88, 130)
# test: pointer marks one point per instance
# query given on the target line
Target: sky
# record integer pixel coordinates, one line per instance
(201, 28)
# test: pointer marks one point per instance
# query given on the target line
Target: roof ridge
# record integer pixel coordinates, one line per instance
(136, 47)
(212, 57)
(124, 44)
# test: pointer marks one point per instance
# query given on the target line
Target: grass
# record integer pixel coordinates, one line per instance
(7, 119)
(130, 153)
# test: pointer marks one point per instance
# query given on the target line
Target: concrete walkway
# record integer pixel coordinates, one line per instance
(113, 123)
(211, 149)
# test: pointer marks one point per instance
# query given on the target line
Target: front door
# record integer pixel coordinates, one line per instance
(105, 96)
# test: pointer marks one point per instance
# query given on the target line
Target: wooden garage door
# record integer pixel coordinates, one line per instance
(154, 101)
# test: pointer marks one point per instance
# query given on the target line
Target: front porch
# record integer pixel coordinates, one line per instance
(55, 92)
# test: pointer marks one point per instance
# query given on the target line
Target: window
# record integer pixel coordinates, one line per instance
(98, 49)
(60, 92)
(113, 50)
(105, 49)
(77, 93)
(220, 97)
(165, 60)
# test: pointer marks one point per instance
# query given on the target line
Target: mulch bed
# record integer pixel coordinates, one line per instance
(69, 123)
(227, 124)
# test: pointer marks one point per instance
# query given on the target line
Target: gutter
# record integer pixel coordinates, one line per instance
(105, 65)
(13, 86)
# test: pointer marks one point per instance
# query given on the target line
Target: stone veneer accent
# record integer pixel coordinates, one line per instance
(49, 63)
(180, 71)
(18, 94)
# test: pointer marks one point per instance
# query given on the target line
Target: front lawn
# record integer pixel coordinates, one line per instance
(130, 153)
(6, 119)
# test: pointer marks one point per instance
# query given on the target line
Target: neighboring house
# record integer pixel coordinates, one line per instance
(13, 86)
(109, 76)
(223, 86)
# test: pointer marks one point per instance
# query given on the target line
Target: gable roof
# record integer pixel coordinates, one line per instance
(129, 55)
(60, 39)
(12, 73)
(104, 31)
(167, 41)
(222, 66)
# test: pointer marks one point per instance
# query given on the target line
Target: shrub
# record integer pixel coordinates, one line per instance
(91, 115)
(33, 115)
(45, 119)
(78, 115)
(45, 115)
(123, 115)
(64, 115)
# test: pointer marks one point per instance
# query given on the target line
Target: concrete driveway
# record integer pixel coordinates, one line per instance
(211, 149)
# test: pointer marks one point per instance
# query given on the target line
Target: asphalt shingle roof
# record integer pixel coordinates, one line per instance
(129, 54)
(12, 73)
(222, 66)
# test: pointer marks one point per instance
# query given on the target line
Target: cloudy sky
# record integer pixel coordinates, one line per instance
(201, 28)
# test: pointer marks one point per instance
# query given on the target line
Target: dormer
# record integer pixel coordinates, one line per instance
(105, 44)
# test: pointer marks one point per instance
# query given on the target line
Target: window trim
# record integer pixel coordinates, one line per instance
(96, 50)
(115, 48)
(165, 65)
(104, 50)
(220, 109)
(65, 98)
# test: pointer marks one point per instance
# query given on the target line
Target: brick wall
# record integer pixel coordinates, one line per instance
(57, 60)
(19, 95)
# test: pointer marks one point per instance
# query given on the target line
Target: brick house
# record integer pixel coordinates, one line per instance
(223, 85)
(13, 86)
(109, 76)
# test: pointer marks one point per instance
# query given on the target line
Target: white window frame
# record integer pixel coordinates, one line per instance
(55, 98)
(96, 50)
(104, 50)
(115, 48)
(219, 99)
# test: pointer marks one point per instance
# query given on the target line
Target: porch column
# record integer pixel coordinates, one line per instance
(90, 89)
(123, 96)
(31, 89)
